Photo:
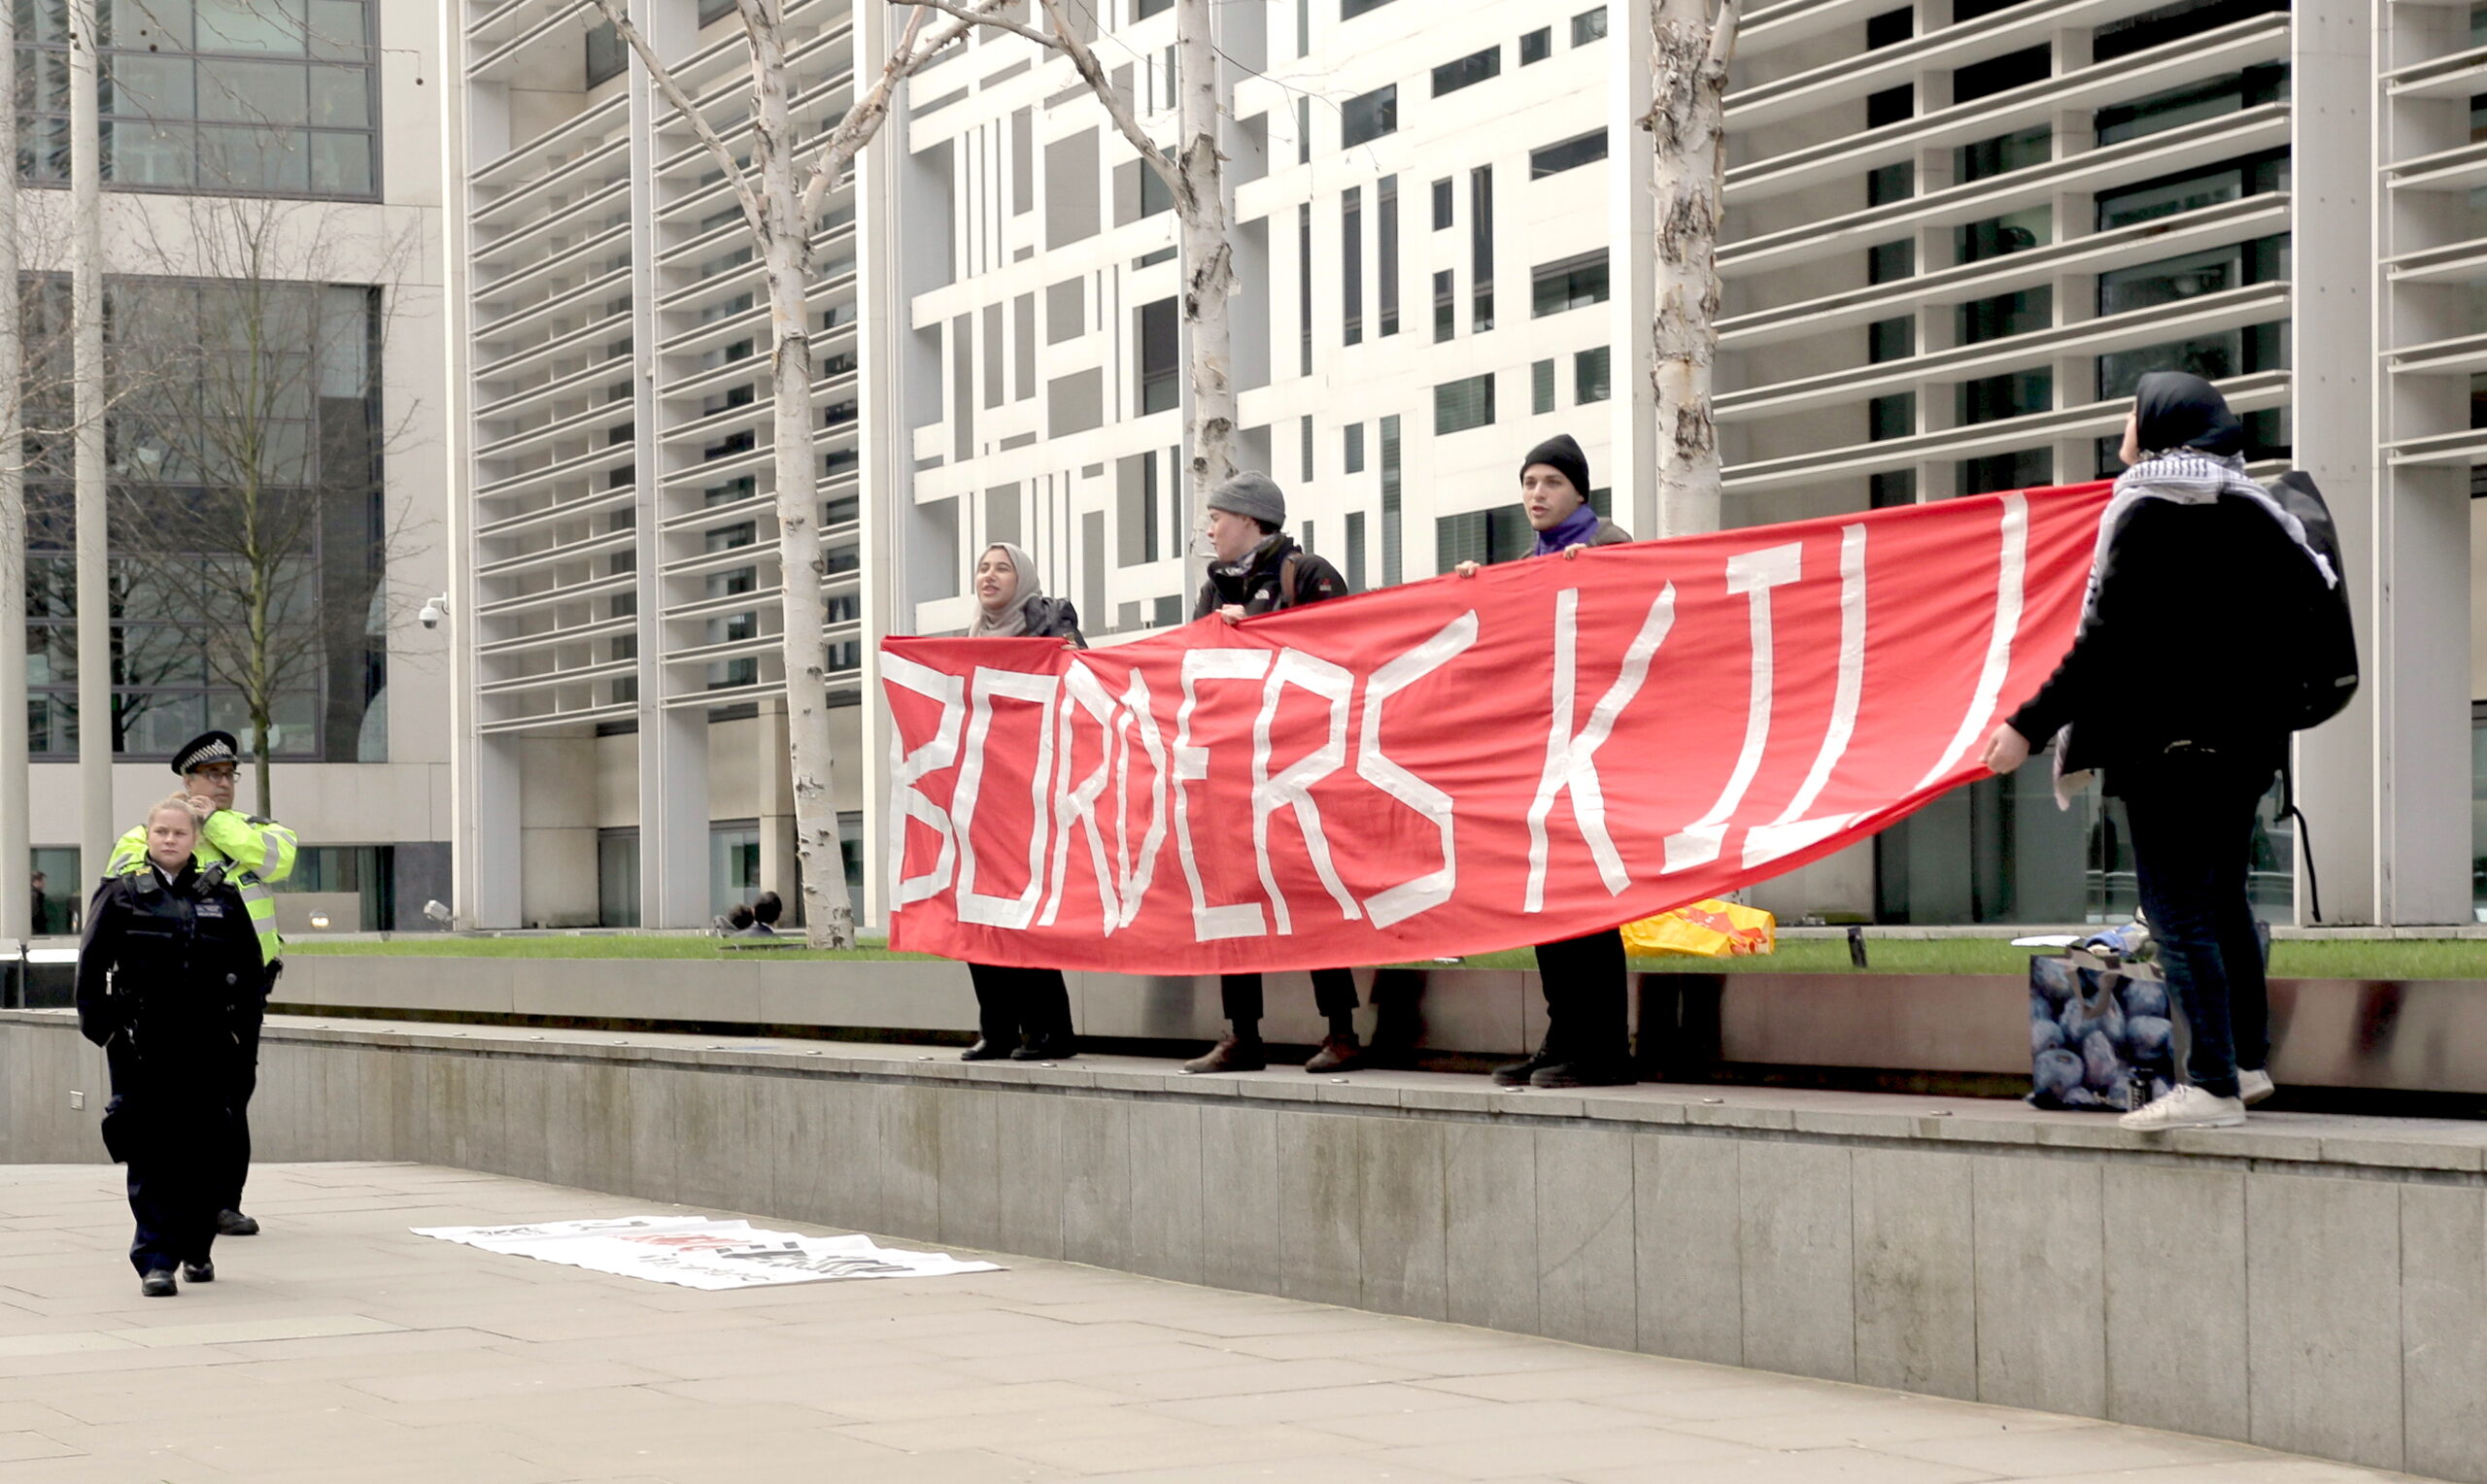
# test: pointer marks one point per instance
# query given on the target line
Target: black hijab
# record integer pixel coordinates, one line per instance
(2176, 410)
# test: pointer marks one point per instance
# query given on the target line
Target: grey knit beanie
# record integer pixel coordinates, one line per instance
(1253, 495)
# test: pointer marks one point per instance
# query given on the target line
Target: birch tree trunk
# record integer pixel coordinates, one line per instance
(1688, 56)
(779, 210)
(829, 911)
(96, 726)
(17, 857)
(1209, 264)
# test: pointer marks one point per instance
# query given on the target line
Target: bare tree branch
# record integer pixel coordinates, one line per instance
(864, 120)
(662, 77)
(1093, 73)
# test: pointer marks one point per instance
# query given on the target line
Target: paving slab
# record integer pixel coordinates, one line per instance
(338, 1346)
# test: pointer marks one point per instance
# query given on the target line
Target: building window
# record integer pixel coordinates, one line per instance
(1892, 183)
(733, 864)
(2254, 87)
(1386, 248)
(1893, 339)
(1536, 46)
(1896, 487)
(1486, 536)
(1390, 496)
(2213, 358)
(2151, 200)
(1352, 264)
(1541, 387)
(238, 99)
(1304, 440)
(1446, 307)
(1567, 155)
(1590, 370)
(1481, 246)
(1363, 119)
(1136, 512)
(2006, 313)
(1355, 550)
(1464, 404)
(1354, 452)
(1442, 196)
(1589, 26)
(2148, 285)
(2002, 153)
(1304, 130)
(1469, 70)
(1349, 10)
(1304, 282)
(1892, 104)
(1997, 236)
(1890, 28)
(2002, 73)
(1576, 283)
(1892, 416)
(2012, 394)
(713, 11)
(608, 56)
(1889, 263)
(2173, 22)
(2024, 469)
(1142, 10)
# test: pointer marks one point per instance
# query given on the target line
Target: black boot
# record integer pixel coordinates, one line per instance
(1517, 1074)
(201, 1271)
(158, 1284)
(1585, 1071)
(231, 1223)
(985, 1049)
(1231, 1054)
(1047, 1048)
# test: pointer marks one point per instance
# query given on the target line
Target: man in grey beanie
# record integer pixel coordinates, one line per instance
(1256, 568)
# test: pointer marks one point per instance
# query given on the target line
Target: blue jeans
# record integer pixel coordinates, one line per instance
(2192, 828)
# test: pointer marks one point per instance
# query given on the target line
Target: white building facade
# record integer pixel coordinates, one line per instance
(1956, 235)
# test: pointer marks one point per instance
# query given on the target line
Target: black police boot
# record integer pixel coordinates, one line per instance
(198, 1272)
(235, 1224)
(985, 1049)
(1517, 1074)
(158, 1284)
(1047, 1048)
(1585, 1071)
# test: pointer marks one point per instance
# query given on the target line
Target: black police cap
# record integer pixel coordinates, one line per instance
(207, 747)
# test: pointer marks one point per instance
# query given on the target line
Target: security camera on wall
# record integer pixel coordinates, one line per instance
(433, 611)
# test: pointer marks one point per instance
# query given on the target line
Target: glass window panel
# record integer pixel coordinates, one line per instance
(341, 97)
(277, 26)
(157, 87)
(253, 159)
(150, 24)
(147, 153)
(253, 92)
(337, 30)
(1591, 371)
(341, 164)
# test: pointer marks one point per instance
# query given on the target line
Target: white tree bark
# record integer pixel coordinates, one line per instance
(780, 211)
(15, 801)
(1688, 54)
(95, 824)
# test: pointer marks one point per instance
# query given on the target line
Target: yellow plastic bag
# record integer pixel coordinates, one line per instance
(1708, 929)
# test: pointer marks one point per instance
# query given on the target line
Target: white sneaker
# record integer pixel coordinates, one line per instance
(2253, 1087)
(2184, 1107)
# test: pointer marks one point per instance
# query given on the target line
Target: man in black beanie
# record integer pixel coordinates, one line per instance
(1589, 1040)
(1256, 568)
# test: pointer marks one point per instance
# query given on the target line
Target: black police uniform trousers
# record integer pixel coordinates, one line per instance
(1586, 1013)
(1334, 992)
(180, 1120)
(233, 1167)
(1016, 1004)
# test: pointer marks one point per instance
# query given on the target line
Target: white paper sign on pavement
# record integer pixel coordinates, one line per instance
(700, 1252)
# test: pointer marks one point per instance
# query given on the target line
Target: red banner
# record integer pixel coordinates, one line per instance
(1463, 764)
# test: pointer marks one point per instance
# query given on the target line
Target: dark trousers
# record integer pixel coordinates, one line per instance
(2192, 833)
(1012, 1004)
(234, 1169)
(1334, 992)
(172, 1178)
(1585, 1016)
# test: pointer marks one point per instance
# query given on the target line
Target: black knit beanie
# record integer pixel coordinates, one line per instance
(1563, 456)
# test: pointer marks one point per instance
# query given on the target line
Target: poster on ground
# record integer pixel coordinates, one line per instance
(703, 1252)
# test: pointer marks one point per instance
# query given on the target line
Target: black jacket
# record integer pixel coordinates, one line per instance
(2179, 655)
(171, 972)
(1054, 618)
(1262, 587)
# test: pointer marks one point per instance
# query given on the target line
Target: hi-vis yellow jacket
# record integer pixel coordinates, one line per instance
(261, 850)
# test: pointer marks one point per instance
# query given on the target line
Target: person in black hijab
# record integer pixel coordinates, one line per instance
(2173, 688)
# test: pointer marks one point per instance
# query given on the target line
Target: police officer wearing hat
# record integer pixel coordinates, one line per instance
(256, 853)
(169, 975)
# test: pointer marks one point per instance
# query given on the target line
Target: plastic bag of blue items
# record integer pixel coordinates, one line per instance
(2103, 1033)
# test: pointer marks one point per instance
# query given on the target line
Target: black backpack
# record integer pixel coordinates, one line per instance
(2321, 645)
